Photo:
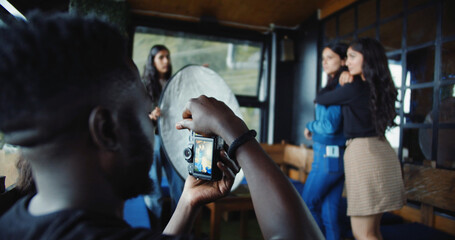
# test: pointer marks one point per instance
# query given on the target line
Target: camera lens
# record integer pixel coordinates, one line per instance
(188, 154)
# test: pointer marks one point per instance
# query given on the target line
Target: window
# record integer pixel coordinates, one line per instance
(422, 67)
(238, 62)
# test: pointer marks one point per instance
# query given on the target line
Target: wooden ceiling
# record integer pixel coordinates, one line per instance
(251, 14)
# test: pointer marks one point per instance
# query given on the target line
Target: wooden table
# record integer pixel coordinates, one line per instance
(227, 204)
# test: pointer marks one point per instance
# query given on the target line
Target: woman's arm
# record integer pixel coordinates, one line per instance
(280, 210)
(341, 95)
(328, 120)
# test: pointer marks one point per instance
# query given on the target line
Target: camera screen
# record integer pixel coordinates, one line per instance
(203, 156)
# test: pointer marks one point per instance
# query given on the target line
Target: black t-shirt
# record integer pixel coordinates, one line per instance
(355, 101)
(17, 223)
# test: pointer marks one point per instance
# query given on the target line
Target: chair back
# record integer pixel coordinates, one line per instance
(294, 161)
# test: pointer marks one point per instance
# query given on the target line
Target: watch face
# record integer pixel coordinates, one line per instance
(189, 82)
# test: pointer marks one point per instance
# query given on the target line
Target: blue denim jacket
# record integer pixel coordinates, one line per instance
(327, 128)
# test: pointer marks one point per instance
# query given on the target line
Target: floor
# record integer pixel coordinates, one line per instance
(230, 229)
(136, 215)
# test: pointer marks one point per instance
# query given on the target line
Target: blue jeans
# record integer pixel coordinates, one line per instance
(323, 189)
(154, 200)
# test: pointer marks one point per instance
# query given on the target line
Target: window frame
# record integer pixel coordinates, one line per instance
(209, 27)
(437, 42)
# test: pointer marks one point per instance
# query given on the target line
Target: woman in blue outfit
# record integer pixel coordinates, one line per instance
(324, 185)
(157, 72)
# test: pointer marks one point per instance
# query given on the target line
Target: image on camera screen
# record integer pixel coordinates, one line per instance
(203, 156)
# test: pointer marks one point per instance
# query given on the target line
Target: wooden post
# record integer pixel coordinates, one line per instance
(244, 224)
(427, 216)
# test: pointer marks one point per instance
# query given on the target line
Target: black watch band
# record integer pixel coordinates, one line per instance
(239, 142)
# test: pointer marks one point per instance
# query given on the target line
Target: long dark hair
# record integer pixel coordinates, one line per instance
(151, 76)
(383, 93)
(340, 49)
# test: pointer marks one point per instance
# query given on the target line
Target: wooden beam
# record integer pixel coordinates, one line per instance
(427, 215)
(411, 214)
(331, 6)
(430, 186)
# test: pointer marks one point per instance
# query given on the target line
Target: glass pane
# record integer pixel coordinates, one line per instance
(446, 151)
(330, 29)
(448, 61)
(396, 69)
(414, 3)
(418, 104)
(390, 8)
(447, 104)
(420, 65)
(415, 147)
(448, 18)
(237, 62)
(366, 14)
(393, 135)
(8, 158)
(252, 118)
(390, 34)
(422, 26)
(347, 22)
(371, 33)
(347, 39)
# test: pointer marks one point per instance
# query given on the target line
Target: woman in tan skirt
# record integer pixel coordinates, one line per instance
(374, 182)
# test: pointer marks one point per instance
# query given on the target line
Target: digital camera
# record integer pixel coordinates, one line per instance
(202, 154)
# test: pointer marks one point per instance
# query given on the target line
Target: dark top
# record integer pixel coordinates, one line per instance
(17, 223)
(8, 198)
(355, 101)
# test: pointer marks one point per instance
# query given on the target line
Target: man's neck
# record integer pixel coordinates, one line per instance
(74, 189)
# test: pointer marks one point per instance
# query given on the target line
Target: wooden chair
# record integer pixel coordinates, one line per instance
(295, 161)
(432, 188)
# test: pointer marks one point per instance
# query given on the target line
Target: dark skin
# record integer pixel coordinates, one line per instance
(75, 171)
(280, 211)
(78, 170)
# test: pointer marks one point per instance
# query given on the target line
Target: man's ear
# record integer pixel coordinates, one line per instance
(102, 127)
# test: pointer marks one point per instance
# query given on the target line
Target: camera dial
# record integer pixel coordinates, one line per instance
(188, 153)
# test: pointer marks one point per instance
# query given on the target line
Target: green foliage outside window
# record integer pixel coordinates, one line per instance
(2, 140)
(237, 62)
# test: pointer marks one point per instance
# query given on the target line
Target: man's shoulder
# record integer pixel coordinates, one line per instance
(17, 223)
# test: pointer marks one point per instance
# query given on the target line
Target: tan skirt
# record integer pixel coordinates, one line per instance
(374, 183)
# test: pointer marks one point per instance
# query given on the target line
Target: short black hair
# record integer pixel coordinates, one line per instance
(58, 66)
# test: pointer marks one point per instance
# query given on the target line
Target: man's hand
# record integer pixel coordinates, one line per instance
(345, 77)
(208, 116)
(155, 114)
(198, 192)
(201, 192)
(307, 134)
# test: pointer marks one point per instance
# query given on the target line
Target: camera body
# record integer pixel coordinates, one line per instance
(202, 154)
